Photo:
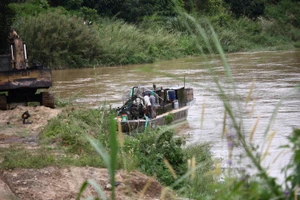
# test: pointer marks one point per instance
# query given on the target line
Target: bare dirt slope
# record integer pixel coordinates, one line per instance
(12, 127)
(54, 183)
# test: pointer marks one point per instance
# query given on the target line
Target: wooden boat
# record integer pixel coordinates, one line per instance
(171, 106)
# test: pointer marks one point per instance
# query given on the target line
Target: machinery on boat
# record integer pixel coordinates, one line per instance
(170, 103)
(19, 82)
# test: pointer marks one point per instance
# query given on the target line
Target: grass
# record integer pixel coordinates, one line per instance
(19, 157)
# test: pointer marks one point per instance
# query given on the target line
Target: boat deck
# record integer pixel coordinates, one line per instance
(178, 115)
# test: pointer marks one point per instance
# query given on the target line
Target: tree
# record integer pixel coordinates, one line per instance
(135, 11)
(67, 4)
(6, 19)
(104, 7)
(248, 8)
(132, 10)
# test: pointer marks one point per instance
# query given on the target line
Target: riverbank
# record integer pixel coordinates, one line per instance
(31, 177)
(65, 183)
(51, 157)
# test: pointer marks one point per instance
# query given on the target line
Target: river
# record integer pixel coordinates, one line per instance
(272, 75)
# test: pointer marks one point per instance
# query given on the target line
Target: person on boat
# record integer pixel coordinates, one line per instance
(148, 104)
(153, 104)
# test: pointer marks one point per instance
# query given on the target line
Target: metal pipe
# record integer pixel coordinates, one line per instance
(25, 52)
(12, 52)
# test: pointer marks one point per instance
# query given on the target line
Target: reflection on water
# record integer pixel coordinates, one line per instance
(274, 75)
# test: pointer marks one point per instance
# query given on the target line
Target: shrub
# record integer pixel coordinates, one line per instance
(169, 118)
(59, 40)
(70, 128)
(194, 187)
(151, 148)
(124, 43)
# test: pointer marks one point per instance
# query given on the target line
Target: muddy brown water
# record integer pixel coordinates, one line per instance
(274, 75)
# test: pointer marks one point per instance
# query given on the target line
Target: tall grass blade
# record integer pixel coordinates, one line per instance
(169, 166)
(270, 138)
(202, 113)
(164, 193)
(185, 176)
(250, 93)
(95, 186)
(252, 108)
(224, 132)
(100, 150)
(142, 194)
(113, 154)
(82, 189)
(98, 189)
(253, 129)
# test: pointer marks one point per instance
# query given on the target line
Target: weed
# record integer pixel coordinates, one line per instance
(22, 158)
(169, 118)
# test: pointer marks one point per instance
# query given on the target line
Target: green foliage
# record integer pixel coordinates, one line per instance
(6, 19)
(297, 45)
(194, 187)
(293, 169)
(169, 118)
(65, 102)
(89, 15)
(285, 12)
(242, 188)
(135, 11)
(23, 158)
(66, 136)
(282, 20)
(40, 3)
(72, 4)
(27, 159)
(247, 8)
(32, 8)
(205, 7)
(59, 40)
(69, 129)
(123, 43)
(106, 8)
(151, 148)
(132, 11)
(110, 159)
(146, 151)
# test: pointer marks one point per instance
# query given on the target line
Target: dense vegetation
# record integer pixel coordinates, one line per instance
(82, 33)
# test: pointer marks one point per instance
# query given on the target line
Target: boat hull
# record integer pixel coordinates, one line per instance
(168, 118)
